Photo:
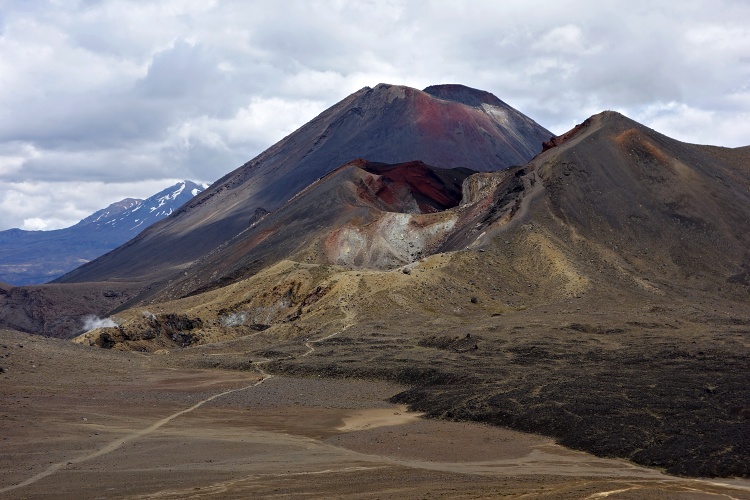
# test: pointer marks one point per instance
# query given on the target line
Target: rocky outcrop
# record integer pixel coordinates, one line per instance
(478, 187)
(164, 330)
(55, 311)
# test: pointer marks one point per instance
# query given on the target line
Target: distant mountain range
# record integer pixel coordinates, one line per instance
(33, 257)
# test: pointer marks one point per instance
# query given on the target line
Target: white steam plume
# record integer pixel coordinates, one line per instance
(92, 322)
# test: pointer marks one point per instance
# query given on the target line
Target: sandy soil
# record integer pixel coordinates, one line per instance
(373, 418)
(79, 422)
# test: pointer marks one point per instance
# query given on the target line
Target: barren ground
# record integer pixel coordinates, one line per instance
(79, 422)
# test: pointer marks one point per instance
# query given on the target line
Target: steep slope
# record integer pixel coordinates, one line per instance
(32, 257)
(662, 209)
(389, 124)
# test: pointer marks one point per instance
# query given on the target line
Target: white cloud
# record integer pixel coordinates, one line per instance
(568, 39)
(13, 155)
(37, 224)
(720, 39)
(262, 122)
(128, 93)
(695, 125)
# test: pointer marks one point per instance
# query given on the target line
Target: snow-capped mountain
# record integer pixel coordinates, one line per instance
(29, 257)
(110, 213)
(135, 215)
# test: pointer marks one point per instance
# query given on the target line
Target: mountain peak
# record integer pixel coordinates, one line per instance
(160, 205)
(611, 120)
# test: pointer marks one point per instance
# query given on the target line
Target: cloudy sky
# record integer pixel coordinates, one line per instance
(105, 99)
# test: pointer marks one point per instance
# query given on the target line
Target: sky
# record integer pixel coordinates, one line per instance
(106, 99)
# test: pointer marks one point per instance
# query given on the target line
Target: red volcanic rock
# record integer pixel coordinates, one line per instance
(363, 213)
(434, 190)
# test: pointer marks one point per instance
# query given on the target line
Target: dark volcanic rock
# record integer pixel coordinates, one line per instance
(667, 207)
(465, 95)
(171, 329)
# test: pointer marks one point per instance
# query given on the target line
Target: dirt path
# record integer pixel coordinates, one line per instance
(117, 443)
(348, 320)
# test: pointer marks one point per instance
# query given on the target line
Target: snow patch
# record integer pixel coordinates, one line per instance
(179, 191)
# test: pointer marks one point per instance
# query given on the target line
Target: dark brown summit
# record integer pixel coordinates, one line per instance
(670, 209)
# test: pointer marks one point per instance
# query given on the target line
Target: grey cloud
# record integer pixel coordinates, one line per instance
(181, 71)
(84, 121)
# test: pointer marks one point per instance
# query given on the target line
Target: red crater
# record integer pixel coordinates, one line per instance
(432, 188)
